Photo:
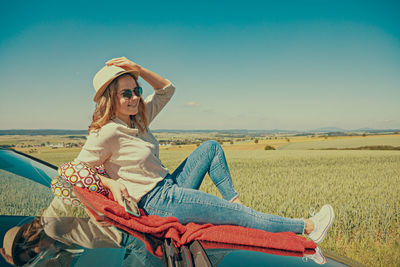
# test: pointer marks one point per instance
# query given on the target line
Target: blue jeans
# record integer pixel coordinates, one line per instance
(136, 253)
(177, 195)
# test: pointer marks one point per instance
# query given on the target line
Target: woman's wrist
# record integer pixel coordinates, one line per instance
(139, 68)
(155, 80)
(105, 181)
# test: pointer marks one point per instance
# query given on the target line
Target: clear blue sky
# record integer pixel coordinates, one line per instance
(235, 64)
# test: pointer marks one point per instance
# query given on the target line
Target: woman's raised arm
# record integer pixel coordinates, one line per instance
(155, 80)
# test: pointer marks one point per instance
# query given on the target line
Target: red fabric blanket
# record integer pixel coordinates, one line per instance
(147, 227)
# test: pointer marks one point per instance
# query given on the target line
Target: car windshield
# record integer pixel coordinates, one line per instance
(39, 228)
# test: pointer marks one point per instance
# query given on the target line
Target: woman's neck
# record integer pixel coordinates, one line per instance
(125, 119)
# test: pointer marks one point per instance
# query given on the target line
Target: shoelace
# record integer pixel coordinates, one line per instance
(311, 212)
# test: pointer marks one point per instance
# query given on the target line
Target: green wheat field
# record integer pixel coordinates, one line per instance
(363, 186)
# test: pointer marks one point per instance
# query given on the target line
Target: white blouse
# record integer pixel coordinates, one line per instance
(130, 157)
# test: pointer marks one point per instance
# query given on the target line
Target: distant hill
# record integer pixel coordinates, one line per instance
(332, 130)
(229, 131)
(340, 130)
(43, 132)
(329, 129)
(369, 130)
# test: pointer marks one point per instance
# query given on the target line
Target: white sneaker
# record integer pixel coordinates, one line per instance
(318, 257)
(323, 220)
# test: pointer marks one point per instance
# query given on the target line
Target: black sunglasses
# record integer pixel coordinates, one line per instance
(28, 249)
(127, 93)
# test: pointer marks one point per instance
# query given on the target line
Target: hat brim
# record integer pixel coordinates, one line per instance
(103, 88)
(10, 244)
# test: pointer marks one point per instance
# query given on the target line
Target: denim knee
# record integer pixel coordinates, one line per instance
(211, 145)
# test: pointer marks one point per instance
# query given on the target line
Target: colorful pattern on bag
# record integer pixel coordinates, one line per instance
(79, 174)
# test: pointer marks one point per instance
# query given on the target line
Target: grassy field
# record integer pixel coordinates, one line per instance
(17, 195)
(39, 139)
(362, 186)
(303, 143)
(393, 140)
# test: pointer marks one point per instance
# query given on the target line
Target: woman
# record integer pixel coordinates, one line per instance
(120, 139)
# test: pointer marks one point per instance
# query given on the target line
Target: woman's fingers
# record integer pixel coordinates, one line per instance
(118, 190)
(118, 198)
(120, 60)
(123, 194)
(116, 60)
(124, 63)
(126, 195)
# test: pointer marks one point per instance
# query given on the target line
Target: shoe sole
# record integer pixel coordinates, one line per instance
(322, 257)
(332, 217)
(318, 257)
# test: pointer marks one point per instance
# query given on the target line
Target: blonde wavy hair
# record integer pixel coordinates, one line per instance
(107, 105)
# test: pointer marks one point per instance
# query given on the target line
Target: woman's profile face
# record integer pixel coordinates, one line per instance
(125, 106)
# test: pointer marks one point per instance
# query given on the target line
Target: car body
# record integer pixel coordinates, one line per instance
(26, 194)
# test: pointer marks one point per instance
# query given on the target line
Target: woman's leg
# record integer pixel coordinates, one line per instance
(189, 205)
(136, 253)
(208, 157)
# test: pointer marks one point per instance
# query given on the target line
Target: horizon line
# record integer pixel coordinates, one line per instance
(230, 129)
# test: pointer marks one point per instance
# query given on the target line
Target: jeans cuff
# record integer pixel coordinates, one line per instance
(234, 197)
(304, 228)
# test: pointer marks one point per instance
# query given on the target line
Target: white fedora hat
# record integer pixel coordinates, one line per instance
(105, 76)
(10, 240)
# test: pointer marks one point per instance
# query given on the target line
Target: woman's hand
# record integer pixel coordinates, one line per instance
(118, 190)
(124, 63)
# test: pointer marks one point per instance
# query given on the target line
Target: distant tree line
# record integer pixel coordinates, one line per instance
(44, 132)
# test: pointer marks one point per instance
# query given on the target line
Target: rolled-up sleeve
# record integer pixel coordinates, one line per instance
(96, 149)
(157, 101)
